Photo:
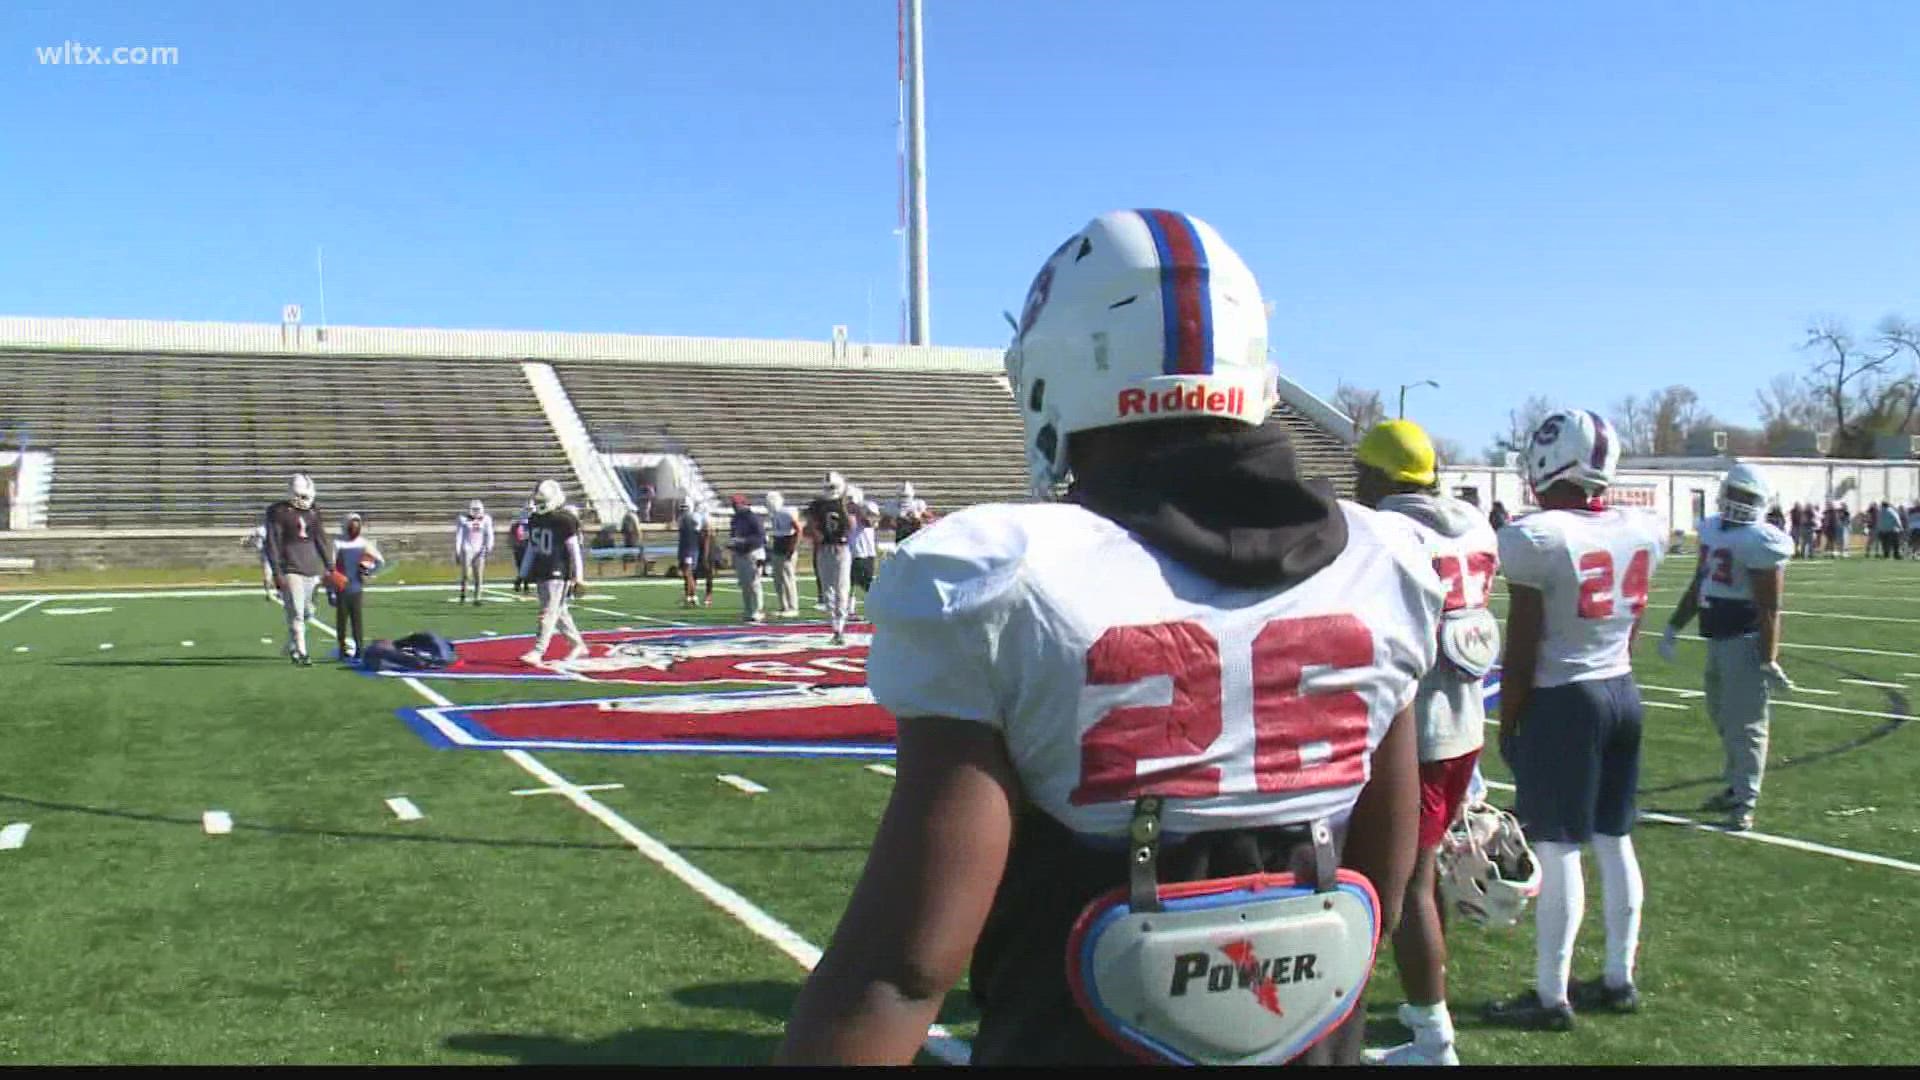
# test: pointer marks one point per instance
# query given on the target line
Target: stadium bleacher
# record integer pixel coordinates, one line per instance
(159, 441)
(954, 434)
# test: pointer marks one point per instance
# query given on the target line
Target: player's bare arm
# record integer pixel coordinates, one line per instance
(1382, 834)
(917, 912)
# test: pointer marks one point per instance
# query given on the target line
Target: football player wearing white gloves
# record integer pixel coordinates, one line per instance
(472, 543)
(1570, 714)
(1156, 742)
(1737, 591)
(1396, 471)
(556, 563)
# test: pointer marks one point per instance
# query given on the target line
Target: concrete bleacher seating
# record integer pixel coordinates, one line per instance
(953, 434)
(157, 441)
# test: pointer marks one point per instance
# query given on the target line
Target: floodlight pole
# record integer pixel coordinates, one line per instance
(919, 331)
(1403, 393)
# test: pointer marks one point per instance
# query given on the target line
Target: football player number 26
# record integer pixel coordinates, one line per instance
(1597, 585)
(1300, 740)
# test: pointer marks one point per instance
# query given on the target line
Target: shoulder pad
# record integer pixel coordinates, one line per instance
(965, 562)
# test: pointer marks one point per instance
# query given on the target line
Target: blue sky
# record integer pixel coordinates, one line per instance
(1575, 199)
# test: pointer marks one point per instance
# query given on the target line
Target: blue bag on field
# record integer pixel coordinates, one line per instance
(423, 651)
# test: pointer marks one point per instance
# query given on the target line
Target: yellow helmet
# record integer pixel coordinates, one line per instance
(1401, 450)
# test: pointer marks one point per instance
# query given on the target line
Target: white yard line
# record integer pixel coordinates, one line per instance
(1662, 705)
(23, 609)
(1767, 838)
(1875, 684)
(1827, 648)
(883, 770)
(720, 584)
(940, 1042)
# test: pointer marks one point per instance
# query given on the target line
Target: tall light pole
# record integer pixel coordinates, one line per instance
(1404, 387)
(918, 331)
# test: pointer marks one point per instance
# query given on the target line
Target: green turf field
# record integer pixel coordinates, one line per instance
(524, 928)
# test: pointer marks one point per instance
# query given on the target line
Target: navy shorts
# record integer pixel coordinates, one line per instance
(1576, 761)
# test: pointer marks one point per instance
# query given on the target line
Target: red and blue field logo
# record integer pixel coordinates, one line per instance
(781, 691)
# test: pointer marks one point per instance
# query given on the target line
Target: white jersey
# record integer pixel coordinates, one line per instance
(472, 536)
(1595, 568)
(1451, 707)
(1113, 671)
(1729, 552)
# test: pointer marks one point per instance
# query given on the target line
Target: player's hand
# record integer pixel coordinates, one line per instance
(1776, 678)
(1667, 642)
(577, 589)
(279, 583)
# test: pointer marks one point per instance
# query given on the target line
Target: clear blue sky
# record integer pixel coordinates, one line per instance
(1581, 200)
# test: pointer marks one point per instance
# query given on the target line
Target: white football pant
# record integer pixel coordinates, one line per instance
(475, 566)
(554, 614)
(786, 582)
(1740, 704)
(297, 598)
(836, 582)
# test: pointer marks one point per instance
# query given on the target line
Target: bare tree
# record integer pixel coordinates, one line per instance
(1898, 336)
(1843, 380)
(1785, 406)
(1676, 414)
(1362, 406)
(1448, 451)
(1633, 420)
(1519, 431)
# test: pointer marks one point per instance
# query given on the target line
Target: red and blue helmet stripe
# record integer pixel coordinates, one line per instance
(1186, 310)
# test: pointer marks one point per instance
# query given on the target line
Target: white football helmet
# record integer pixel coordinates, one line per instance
(1575, 445)
(906, 490)
(833, 486)
(301, 491)
(1143, 315)
(1487, 871)
(776, 502)
(549, 496)
(1744, 495)
(474, 509)
(855, 495)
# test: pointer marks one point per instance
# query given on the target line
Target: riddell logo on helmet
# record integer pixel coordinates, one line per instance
(1182, 399)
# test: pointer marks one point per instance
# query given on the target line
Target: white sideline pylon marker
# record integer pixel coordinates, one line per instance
(883, 770)
(105, 645)
(14, 836)
(186, 644)
(404, 809)
(741, 783)
(216, 822)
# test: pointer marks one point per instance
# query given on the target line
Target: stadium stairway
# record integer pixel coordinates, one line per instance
(168, 440)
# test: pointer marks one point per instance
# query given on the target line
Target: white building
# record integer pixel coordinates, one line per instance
(1682, 490)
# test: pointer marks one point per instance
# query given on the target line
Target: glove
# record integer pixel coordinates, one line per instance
(1776, 678)
(1667, 641)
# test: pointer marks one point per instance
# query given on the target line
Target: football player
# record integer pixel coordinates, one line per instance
(556, 563)
(910, 516)
(355, 558)
(1738, 590)
(830, 526)
(1578, 574)
(862, 547)
(299, 551)
(472, 543)
(1200, 667)
(1396, 471)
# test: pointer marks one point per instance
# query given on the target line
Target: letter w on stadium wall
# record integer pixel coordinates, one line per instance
(781, 691)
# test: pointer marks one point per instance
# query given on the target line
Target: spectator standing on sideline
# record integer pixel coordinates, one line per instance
(1889, 531)
(645, 498)
(693, 551)
(784, 545)
(630, 538)
(1497, 517)
(1777, 519)
(356, 557)
(257, 541)
(518, 534)
(1913, 530)
(749, 544)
